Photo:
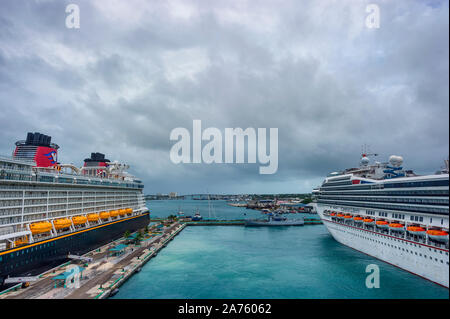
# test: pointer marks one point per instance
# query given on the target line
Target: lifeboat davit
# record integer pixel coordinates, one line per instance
(368, 221)
(62, 223)
(438, 235)
(113, 213)
(382, 224)
(79, 220)
(40, 227)
(122, 212)
(104, 215)
(397, 227)
(416, 230)
(92, 217)
(358, 219)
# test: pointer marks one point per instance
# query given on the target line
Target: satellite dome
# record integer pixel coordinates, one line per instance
(365, 161)
(395, 160)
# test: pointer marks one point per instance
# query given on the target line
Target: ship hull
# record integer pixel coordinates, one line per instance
(34, 259)
(425, 261)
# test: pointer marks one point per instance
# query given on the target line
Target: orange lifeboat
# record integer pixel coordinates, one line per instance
(368, 221)
(397, 227)
(333, 214)
(92, 217)
(62, 223)
(21, 241)
(79, 220)
(104, 215)
(40, 227)
(382, 224)
(340, 215)
(129, 211)
(348, 216)
(416, 230)
(438, 235)
(113, 213)
(122, 212)
(358, 219)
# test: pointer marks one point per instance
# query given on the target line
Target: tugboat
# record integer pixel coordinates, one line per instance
(197, 216)
(274, 219)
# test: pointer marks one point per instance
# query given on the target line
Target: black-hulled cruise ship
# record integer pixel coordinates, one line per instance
(49, 210)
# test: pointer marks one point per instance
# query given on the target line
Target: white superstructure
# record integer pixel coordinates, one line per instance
(391, 214)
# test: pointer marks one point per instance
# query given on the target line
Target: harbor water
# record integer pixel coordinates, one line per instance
(302, 262)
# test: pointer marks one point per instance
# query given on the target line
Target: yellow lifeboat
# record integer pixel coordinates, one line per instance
(21, 241)
(358, 219)
(92, 217)
(122, 212)
(416, 230)
(40, 227)
(368, 221)
(438, 235)
(104, 215)
(129, 211)
(78, 220)
(62, 223)
(397, 227)
(113, 213)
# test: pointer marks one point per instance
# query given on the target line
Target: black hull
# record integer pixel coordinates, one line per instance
(34, 259)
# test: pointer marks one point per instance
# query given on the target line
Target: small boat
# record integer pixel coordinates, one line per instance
(40, 227)
(438, 235)
(340, 216)
(368, 221)
(197, 216)
(358, 219)
(115, 291)
(382, 224)
(397, 227)
(348, 217)
(275, 220)
(416, 230)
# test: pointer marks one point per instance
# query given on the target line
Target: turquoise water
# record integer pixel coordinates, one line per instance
(263, 262)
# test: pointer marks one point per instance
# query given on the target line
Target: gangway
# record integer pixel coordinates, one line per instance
(87, 259)
(13, 280)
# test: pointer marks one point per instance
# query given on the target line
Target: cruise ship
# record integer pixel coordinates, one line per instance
(49, 210)
(391, 214)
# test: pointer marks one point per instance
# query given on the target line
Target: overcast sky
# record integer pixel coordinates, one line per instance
(135, 70)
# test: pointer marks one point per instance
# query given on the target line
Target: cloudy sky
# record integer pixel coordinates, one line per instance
(135, 70)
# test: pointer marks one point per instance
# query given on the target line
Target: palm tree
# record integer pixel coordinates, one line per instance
(127, 234)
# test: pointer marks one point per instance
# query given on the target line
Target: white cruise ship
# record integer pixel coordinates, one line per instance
(49, 210)
(392, 214)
